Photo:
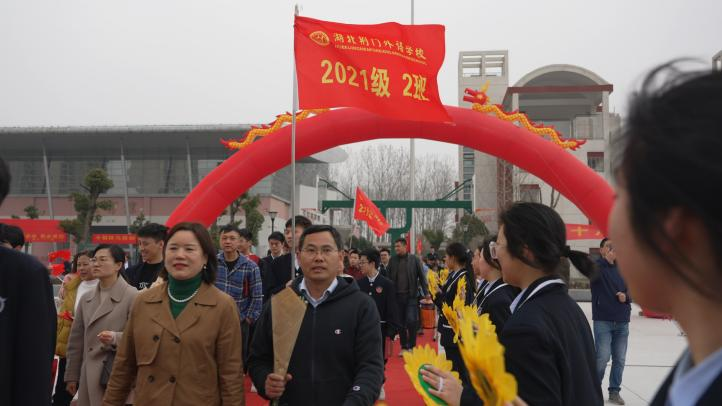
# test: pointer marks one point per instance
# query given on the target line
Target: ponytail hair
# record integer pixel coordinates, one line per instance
(540, 229)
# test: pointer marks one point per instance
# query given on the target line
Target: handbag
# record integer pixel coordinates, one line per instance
(107, 369)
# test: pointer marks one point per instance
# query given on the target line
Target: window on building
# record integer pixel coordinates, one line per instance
(595, 160)
(530, 193)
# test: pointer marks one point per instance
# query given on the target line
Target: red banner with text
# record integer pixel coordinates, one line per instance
(120, 239)
(388, 69)
(366, 210)
(583, 232)
(37, 230)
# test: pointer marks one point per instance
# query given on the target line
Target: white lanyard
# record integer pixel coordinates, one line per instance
(456, 278)
(515, 304)
(481, 305)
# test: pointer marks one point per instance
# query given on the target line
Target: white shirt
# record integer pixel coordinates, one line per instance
(371, 280)
(83, 288)
(326, 294)
(691, 381)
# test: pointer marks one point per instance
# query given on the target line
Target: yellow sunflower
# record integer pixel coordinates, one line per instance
(443, 276)
(484, 358)
(433, 279)
(416, 359)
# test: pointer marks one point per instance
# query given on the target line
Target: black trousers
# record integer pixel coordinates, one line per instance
(61, 396)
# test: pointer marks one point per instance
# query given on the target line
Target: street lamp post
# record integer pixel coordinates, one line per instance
(272, 215)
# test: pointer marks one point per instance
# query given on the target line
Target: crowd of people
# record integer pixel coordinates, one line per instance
(185, 324)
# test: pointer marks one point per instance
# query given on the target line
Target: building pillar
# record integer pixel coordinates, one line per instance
(125, 187)
(190, 170)
(606, 136)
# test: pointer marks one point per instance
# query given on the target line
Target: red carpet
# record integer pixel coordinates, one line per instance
(398, 387)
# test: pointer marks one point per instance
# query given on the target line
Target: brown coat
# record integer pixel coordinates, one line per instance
(85, 351)
(65, 312)
(194, 359)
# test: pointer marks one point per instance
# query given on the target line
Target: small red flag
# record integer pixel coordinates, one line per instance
(419, 245)
(63, 254)
(366, 210)
(57, 269)
(388, 69)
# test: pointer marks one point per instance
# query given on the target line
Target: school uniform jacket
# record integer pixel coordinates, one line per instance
(497, 301)
(278, 276)
(446, 296)
(711, 397)
(550, 349)
(383, 293)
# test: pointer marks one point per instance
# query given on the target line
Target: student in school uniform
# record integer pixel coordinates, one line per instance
(497, 295)
(548, 341)
(667, 223)
(383, 293)
(456, 260)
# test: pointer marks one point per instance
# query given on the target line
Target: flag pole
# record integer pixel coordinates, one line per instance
(412, 173)
(294, 109)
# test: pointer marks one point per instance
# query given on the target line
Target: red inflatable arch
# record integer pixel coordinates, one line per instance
(560, 169)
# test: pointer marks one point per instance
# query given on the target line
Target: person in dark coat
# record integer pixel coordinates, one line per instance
(456, 260)
(665, 222)
(27, 324)
(548, 343)
(336, 358)
(382, 291)
(280, 274)
(406, 272)
(275, 243)
(497, 295)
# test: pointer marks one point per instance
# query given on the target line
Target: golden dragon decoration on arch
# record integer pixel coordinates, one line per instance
(480, 102)
(267, 129)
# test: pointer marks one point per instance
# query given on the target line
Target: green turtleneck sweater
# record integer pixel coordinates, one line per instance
(181, 289)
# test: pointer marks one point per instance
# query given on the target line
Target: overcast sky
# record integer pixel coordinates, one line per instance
(129, 62)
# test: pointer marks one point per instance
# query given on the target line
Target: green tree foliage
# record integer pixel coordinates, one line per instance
(468, 228)
(359, 243)
(32, 212)
(138, 223)
(87, 205)
(434, 237)
(254, 217)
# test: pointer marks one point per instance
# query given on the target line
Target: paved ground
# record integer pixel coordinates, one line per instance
(653, 348)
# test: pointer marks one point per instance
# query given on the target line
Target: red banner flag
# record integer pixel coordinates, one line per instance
(121, 239)
(388, 69)
(366, 210)
(57, 269)
(37, 230)
(583, 232)
(62, 254)
(419, 245)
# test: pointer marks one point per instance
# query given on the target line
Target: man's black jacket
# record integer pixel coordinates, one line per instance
(27, 330)
(337, 358)
(383, 293)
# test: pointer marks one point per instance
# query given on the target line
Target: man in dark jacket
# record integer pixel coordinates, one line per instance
(336, 358)
(406, 272)
(27, 324)
(275, 244)
(151, 239)
(611, 309)
(280, 274)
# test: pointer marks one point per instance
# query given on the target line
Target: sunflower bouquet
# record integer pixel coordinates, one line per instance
(484, 358)
(418, 359)
(433, 279)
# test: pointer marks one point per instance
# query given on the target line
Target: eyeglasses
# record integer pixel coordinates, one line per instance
(363, 262)
(313, 251)
(493, 249)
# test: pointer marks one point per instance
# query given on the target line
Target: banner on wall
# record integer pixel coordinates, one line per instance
(120, 239)
(389, 69)
(37, 230)
(583, 232)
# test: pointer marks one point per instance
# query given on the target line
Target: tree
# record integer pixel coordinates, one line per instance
(254, 218)
(468, 228)
(434, 237)
(138, 223)
(359, 243)
(32, 212)
(235, 208)
(87, 205)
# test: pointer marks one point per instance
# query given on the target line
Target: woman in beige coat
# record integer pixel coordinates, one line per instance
(97, 329)
(182, 345)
